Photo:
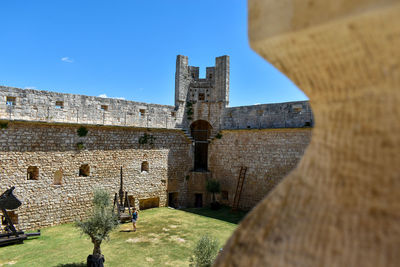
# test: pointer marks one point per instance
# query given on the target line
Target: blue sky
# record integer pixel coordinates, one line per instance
(128, 48)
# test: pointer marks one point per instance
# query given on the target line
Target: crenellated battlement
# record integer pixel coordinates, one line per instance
(211, 89)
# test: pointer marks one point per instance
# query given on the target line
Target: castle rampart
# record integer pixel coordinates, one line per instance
(45, 106)
(281, 115)
(55, 169)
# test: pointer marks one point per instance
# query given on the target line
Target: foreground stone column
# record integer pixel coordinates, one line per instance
(341, 205)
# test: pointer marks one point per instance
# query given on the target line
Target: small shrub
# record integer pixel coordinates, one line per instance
(190, 118)
(205, 252)
(147, 139)
(80, 146)
(187, 177)
(82, 131)
(3, 125)
(218, 136)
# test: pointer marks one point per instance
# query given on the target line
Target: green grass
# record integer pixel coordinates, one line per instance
(165, 237)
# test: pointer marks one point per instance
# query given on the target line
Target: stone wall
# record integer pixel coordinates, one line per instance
(280, 115)
(269, 155)
(52, 149)
(34, 105)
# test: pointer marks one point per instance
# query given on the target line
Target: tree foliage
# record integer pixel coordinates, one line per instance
(205, 252)
(99, 225)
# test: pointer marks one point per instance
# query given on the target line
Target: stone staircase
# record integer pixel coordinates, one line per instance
(186, 132)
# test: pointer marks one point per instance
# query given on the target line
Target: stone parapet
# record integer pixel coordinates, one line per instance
(44, 106)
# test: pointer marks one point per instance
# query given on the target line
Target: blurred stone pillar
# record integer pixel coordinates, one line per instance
(341, 205)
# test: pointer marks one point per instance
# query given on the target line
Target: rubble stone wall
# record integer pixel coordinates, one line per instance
(52, 149)
(269, 155)
(35, 105)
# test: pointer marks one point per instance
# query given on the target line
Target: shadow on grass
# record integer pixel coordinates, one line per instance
(79, 264)
(126, 231)
(223, 214)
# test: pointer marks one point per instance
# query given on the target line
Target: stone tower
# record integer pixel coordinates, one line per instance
(214, 88)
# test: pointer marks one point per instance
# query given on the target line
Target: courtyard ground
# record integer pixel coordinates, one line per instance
(165, 237)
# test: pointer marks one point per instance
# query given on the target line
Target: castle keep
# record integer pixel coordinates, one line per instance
(167, 153)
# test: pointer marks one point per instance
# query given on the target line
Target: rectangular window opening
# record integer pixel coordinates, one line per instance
(104, 107)
(201, 96)
(11, 101)
(33, 173)
(59, 104)
(84, 170)
(224, 195)
(142, 112)
(13, 216)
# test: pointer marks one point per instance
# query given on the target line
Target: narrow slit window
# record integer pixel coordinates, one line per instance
(104, 107)
(145, 166)
(33, 173)
(11, 101)
(60, 104)
(84, 170)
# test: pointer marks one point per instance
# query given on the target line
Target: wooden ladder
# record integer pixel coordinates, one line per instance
(239, 187)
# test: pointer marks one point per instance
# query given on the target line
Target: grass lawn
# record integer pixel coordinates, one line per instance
(165, 237)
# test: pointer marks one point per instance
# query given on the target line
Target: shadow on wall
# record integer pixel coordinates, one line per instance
(224, 214)
(180, 162)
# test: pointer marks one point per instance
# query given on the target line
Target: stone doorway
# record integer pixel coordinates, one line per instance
(200, 131)
(198, 200)
(173, 200)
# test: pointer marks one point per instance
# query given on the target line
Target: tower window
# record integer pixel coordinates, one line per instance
(84, 170)
(142, 112)
(173, 114)
(104, 107)
(59, 104)
(33, 173)
(201, 96)
(11, 101)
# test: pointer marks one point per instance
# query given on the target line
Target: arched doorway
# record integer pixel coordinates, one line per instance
(200, 131)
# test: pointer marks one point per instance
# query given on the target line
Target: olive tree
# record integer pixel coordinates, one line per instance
(102, 221)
